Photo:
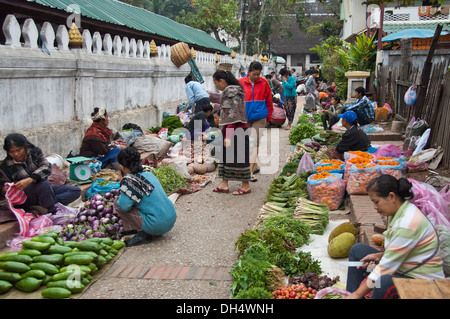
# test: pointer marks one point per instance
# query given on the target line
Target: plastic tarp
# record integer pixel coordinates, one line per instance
(411, 34)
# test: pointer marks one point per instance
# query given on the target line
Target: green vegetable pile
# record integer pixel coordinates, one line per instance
(171, 122)
(170, 178)
(302, 131)
(63, 267)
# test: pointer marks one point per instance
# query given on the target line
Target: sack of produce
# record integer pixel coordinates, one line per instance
(392, 167)
(359, 176)
(326, 188)
(355, 158)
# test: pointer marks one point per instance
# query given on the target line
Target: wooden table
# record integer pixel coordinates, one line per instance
(422, 288)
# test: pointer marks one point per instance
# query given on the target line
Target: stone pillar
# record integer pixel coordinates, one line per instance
(355, 79)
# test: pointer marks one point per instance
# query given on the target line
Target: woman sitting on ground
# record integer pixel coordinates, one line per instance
(26, 169)
(410, 247)
(97, 141)
(142, 205)
(354, 139)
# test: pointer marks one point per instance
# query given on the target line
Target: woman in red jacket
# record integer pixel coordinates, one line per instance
(259, 107)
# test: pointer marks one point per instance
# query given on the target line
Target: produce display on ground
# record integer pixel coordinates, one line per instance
(327, 188)
(61, 267)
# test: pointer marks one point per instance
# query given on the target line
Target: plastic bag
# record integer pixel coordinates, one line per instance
(411, 95)
(369, 128)
(326, 188)
(37, 224)
(63, 214)
(393, 168)
(431, 203)
(306, 164)
(388, 150)
(444, 238)
(101, 186)
(325, 293)
(422, 142)
(359, 177)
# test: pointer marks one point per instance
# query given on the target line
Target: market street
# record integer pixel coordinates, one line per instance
(202, 239)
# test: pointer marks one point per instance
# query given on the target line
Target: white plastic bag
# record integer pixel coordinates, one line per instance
(422, 141)
(411, 95)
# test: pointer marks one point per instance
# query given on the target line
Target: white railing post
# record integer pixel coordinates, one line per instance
(62, 38)
(107, 44)
(12, 32)
(48, 36)
(30, 34)
(87, 41)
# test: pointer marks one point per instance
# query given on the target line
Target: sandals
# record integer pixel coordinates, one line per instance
(220, 190)
(240, 191)
(253, 179)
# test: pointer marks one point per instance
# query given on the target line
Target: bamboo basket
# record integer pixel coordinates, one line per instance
(180, 53)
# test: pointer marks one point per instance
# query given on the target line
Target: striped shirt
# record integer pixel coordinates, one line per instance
(410, 239)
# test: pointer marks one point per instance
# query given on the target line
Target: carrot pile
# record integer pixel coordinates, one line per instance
(326, 188)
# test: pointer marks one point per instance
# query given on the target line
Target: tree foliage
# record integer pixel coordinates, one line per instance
(212, 16)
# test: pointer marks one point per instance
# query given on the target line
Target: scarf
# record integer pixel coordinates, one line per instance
(136, 186)
(13, 197)
(232, 108)
(99, 131)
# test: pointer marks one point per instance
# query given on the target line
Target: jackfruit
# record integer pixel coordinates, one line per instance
(339, 247)
(348, 227)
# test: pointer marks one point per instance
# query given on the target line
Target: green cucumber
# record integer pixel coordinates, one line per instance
(44, 239)
(14, 266)
(5, 256)
(46, 280)
(83, 268)
(70, 243)
(54, 259)
(36, 273)
(49, 269)
(30, 252)
(56, 293)
(118, 244)
(77, 253)
(67, 274)
(28, 284)
(30, 244)
(79, 259)
(5, 286)
(58, 249)
(10, 276)
(74, 286)
(107, 241)
(88, 246)
(19, 258)
(101, 261)
(52, 233)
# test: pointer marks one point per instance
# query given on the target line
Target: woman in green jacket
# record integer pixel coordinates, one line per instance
(290, 94)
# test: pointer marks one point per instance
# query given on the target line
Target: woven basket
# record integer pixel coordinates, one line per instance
(226, 66)
(180, 53)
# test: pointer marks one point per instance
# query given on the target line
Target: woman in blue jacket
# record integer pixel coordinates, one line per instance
(142, 205)
(290, 94)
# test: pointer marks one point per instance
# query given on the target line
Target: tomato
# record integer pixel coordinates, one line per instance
(303, 297)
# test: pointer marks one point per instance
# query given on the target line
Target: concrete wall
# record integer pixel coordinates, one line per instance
(48, 89)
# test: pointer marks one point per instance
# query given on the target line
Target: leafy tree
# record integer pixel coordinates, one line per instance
(212, 16)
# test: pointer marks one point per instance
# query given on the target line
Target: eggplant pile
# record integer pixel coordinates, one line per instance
(96, 219)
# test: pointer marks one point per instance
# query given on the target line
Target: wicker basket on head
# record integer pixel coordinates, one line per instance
(180, 53)
(226, 66)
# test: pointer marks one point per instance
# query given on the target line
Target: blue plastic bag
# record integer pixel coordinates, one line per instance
(100, 186)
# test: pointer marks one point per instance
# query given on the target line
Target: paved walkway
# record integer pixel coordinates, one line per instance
(192, 260)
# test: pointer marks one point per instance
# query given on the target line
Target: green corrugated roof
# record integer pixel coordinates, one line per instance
(116, 12)
(404, 25)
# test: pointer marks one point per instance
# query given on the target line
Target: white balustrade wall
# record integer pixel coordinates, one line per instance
(48, 90)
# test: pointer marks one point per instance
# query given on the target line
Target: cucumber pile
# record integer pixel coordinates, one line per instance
(63, 267)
